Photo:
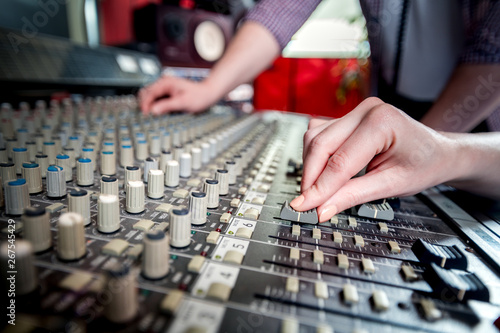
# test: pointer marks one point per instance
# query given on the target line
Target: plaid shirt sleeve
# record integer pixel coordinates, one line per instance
(282, 17)
(482, 28)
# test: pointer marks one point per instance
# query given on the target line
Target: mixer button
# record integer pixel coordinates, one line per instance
(343, 261)
(263, 188)
(334, 220)
(429, 309)
(337, 237)
(242, 190)
(352, 222)
(196, 263)
(321, 290)
(380, 300)
(359, 241)
(350, 294)
(135, 251)
(394, 247)
(225, 218)
(194, 182)
(234, 257)
(180, 193)
(292, 284)
(409, 273)
(235, 203)
(115, 247)
(54, 207)
(251, 213)
(296, 230)
(76, 281)
(290, 325)
(165, 208)
(316, 233)
(318, 257)
(258, 201)
(244, 233)
(368, 266)
(219, 291)
(294, 253)
(383, 227)
(171, 302)
(213, 237)
(144, 225)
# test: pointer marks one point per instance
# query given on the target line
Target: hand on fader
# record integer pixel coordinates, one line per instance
(175, 94)
(402, 156)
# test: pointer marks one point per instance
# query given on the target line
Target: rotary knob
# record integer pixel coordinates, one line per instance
(205, 153)
(72, 159)
(164, 158)
(222, 176)
(126, 155)
(155, 262)
(155, 146)
(79, 202)
(26, 280)
(20, 156)
(239, 165)
(109, 185)
(108, 163)
(8, 172)
(70, 237)
(172, 174)
(141, 152)
(33, 175)
(3, 155)
(36, 225)
(108, 214)
(198, 208)
(64, 162)
(231, 170)
(213, 147)
(122, 285)
(43, 161)
(49, 149)
(211, 188)
(90, 154)
(156, 178)
(56, 182)
(135, 197)
(131, 173)
(31, 146)
(185, 165)
(180, 228)
(178, 150)
(150, 163)
(108, 146)
(84, 172)
(16, 196)
(196, 158)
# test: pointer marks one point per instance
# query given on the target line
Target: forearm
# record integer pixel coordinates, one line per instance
(470, 96)
(251, 51)
(477, 156)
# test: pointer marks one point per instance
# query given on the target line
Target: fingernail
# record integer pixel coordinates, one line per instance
(327, 213)
(295, 203)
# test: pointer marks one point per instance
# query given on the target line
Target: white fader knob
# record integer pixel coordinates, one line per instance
(36, 225)
(70, 237)
(122, 285)
(109, 185)
(211, 188)
(84, 172)
(79, 202)
(185, 165)
(156, 178)
(231, 169)
(33, 176)
(108, 214)
(150, 163)
(198, 208)
(222, 177)
(26, 276)
(172, 174)
(180, 228)
(108, 163)
(155, 263)
(16, 196)
(56, 182)
(135, 197)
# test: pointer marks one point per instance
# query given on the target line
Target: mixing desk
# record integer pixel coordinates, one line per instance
(117, 222)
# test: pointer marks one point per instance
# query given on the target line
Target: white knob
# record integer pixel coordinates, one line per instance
(122, 285)
(79, 202)
(155, 145)
(164, 158)
(135, 197)
(26, 279)
(84, 172)
(31, 146)
(150, 163)
(109, 185)
(43, 161)
(20, 156)
(231, 169)
(8, 172)
(222, 176)
(156, 178)
(239, 166)
(108, 213)
(108, 163)
(198, 208)
(36, 225)
(3, 155)
(126, 155)
(49, 149)
(172, 174)
(22, 137)
(90, 154)
(166, 143)
(56, 182)
(74, 142)
(211, 188)
(155, 263)
(33, 175)
(64, 162)
(108, 146)
(141, 151)
(205, 153)
(213, 147)
(72, 159)
(131, 173)
(185, 165)
(180, 228)
(71, 237)
(196, 158)
(178, 150)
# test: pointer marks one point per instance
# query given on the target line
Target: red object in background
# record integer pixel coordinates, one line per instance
(320, 87)
(116, 21)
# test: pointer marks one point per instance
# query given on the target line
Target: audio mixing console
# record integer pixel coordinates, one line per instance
(116, 222)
